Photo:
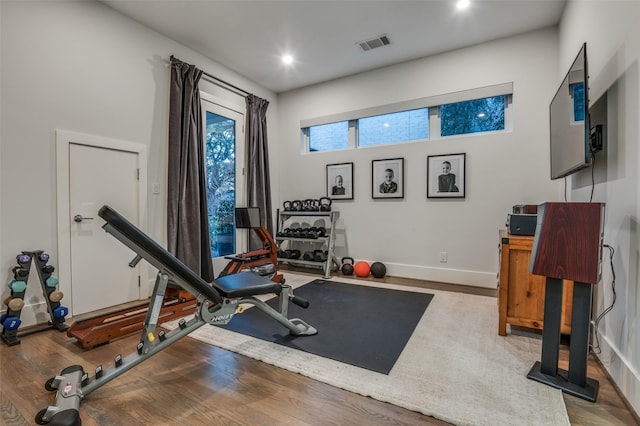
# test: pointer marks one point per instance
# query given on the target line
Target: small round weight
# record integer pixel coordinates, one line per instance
(16, 304)
(56, 296)
(378, 270)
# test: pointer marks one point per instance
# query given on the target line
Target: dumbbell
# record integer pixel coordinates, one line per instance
(286, 206)
(305, 233)
(23, 258)
(20, 273)
(312, 232)
(294, 254)
(15, 304)
(60, 312)
(320, 256)
(43, 257)
(17, 286)
(309, 255)
(52, 282)
(56, 296)
(10, 323)
(48, 269)
(283, 254)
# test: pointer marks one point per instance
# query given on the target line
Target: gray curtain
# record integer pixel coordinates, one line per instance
(187, 215)
(258, 182)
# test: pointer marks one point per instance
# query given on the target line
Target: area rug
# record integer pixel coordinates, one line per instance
(367, 327)
(455, 366)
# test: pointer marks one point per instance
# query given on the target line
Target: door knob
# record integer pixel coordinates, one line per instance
(78, 218)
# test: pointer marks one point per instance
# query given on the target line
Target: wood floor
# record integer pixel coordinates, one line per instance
(192, 383)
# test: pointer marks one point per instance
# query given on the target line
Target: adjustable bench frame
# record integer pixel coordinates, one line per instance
(217, 303)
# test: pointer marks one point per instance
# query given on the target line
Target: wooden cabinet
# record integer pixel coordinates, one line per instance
(521, 294)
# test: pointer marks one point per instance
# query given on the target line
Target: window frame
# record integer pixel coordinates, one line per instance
(433, 103)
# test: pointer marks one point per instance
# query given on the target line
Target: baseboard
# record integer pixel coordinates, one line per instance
(444, 275)
(485, 280)
(624, 377)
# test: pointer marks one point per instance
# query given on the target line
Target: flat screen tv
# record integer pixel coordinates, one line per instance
(569, 121)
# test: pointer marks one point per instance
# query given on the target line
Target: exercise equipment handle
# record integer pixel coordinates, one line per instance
(135, 261)
(303, 303)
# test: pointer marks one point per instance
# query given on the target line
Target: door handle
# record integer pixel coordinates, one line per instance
(78, 218)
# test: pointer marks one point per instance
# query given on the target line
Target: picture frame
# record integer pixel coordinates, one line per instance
(340, 181)
(446, 176)
(387, 178)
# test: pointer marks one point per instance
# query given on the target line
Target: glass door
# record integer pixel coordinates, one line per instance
(224, 163)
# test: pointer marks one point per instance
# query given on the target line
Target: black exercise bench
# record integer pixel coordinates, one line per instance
(217, 303)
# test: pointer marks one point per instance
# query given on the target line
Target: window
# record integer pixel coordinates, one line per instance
(220, 143)
(223, 140)
(395, 127)
(479, 115)
(485, 109)
(330, 136)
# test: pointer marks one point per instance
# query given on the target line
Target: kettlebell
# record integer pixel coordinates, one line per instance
(325, 204)
(347, 265)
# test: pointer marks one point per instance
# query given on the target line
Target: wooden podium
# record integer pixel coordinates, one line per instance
(567, 246)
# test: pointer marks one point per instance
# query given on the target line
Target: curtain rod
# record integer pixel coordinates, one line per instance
(213, 77)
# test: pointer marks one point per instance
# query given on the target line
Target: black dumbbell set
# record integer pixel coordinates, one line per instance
(313, 232)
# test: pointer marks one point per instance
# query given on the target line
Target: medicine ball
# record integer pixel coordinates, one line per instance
(361, 269)
(378, 270)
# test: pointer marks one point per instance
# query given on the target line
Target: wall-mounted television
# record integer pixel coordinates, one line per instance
(569, 121)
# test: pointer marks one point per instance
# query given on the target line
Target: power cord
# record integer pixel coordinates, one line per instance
(596, 349)
(593, 180)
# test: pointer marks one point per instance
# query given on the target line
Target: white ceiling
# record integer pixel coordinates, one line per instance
(249, 36)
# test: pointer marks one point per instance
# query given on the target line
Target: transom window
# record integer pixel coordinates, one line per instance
(478, 115)
(395, 127)
(330, 136)
(442, 116)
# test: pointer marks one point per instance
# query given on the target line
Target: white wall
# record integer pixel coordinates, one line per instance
(502, 169)
(82, 67)
(612, 34)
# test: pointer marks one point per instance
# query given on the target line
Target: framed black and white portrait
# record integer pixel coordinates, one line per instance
(387, 178)
(340, 181)
(446, 176)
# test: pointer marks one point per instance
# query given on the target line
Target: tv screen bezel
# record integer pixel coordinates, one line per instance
(586, 159)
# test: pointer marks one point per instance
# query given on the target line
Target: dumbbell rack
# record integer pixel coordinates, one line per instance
(328, 241)
(10, 321)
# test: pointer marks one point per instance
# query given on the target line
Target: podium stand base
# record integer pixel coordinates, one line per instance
(589, 391)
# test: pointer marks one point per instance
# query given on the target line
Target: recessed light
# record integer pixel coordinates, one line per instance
(462, 4)
(287, 59)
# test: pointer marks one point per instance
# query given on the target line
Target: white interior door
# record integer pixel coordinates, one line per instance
(100, 274)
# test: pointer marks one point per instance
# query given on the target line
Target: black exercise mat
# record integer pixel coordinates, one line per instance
(363, 326)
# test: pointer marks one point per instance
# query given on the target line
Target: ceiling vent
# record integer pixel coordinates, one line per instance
(373, 43)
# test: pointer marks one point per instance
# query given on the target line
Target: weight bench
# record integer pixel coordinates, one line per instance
(217, 303)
